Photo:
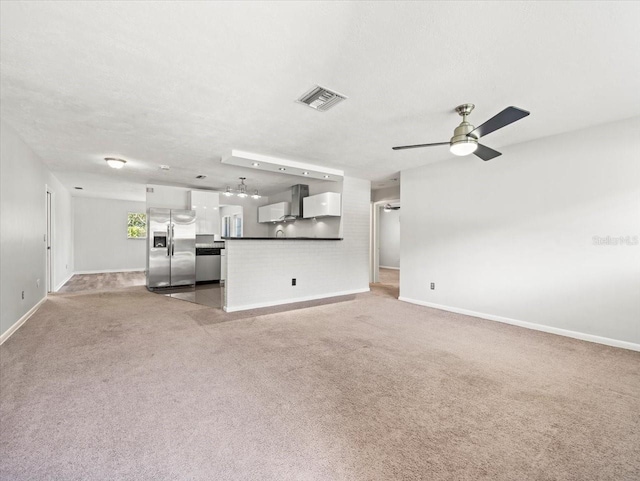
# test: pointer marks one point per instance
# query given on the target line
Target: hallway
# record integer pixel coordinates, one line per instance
(389, 283)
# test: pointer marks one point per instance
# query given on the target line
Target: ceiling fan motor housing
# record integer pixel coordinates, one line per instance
(461, 143)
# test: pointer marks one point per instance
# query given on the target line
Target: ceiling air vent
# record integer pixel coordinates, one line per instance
(321, 99)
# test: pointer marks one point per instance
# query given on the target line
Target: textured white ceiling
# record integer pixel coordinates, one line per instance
(183, 83)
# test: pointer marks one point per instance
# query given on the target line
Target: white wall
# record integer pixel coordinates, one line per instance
(513, 237)
(259, 272)
(100, 236)
(23, 225)
(386, 193)
(389, 238)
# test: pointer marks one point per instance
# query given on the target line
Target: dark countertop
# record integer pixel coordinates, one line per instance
(285, 238)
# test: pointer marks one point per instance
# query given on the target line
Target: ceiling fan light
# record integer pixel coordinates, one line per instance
(228, 192)
(464, 147)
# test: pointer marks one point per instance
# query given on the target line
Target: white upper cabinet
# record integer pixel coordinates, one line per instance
(274, 212)
(322, 205)
(207, 207)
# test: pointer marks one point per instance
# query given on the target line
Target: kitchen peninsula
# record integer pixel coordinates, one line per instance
(303, 258)
(287, 269)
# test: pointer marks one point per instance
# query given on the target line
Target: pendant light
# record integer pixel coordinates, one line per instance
(242, 189)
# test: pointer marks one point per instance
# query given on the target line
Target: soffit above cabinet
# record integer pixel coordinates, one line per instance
(282, 166)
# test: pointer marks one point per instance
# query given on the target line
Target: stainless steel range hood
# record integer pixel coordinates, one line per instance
(298, 192)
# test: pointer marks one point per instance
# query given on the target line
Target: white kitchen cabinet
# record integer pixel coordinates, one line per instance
(322, 205)
(274, 212)
(207, 207)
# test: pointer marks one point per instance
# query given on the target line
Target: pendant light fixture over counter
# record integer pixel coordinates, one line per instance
(241, 191)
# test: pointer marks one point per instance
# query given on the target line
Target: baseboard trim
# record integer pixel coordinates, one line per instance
(389, 267)
(107, 271)
(9, 332)
(57, 288)
(530, 325)
(292, 301)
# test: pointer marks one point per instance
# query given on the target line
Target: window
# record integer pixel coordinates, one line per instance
(238, 221)
(226, 226)
(136, 225)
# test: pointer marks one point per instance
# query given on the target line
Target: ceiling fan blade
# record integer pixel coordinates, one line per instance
(402, 147)
(504, 118)
(485, 153)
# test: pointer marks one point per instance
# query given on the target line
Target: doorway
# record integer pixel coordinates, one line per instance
(49, 242)
(385, 251)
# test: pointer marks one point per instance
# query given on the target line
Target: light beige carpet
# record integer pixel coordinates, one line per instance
(389, 282)
(129, 385)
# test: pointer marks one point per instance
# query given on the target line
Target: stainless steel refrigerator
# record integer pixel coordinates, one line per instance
(171, 248)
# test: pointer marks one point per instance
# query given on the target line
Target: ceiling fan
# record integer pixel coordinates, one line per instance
(465, 136)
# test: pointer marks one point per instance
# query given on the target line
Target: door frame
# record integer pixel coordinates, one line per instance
(49, 238)
(374, 261)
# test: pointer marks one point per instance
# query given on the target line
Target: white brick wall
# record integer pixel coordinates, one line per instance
(259, 272)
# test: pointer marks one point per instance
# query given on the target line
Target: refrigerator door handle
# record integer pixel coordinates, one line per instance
(168, 242)
(173, 245)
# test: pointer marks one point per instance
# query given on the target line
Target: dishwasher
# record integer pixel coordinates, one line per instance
(208, 262)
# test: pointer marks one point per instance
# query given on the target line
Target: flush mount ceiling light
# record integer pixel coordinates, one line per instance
(164, 167)
(115, 163)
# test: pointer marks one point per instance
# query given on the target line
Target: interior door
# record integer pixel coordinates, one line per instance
(183, 247)
(158, 248)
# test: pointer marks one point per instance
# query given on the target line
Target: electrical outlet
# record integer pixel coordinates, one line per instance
(23, 295)
(433, 286)
(37, 282)
(293, 282)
